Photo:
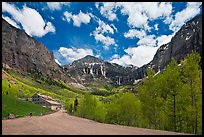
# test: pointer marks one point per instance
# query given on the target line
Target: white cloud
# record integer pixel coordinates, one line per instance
(188, 13)
(115, 56)
(81, 18)
(148, 40)
(137, 56)
(78, 19)
(10, 21)
(56, 5)
(107, 10)
(33, 27)
(155, 10)
(106, 40)
(104, 28)
(135, 33)
(143, 53)
(72, 54)
(164, 39)
(140, 12)
(99, 32)
(68, 16)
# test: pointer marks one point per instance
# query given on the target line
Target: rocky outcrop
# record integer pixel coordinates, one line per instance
(23, 53)
(91, 68)
(188, 38)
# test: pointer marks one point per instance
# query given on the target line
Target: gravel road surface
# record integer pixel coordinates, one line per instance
(60, 123)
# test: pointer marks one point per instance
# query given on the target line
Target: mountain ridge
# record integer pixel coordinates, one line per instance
(24, 53)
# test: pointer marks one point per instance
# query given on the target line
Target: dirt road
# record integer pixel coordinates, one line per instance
(60, 123)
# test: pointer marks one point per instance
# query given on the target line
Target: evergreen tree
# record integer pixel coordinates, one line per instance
(75, 104)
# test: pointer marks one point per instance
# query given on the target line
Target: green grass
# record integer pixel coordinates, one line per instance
(28, 87)
(20, 108)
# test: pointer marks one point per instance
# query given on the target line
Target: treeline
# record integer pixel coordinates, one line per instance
(170, 100)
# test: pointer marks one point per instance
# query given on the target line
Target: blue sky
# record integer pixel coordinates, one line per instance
(118, 32)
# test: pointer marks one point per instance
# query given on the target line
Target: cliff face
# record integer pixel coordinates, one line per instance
(23, 53)
(188, 38)
(91, 68)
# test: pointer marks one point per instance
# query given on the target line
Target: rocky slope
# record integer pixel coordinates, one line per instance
(188, 38)
(91, 68)
(24, 54)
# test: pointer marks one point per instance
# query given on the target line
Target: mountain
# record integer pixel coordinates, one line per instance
(188, 38)
(90, 68)
(24, 54)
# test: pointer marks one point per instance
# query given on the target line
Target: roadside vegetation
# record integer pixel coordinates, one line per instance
(170, 100)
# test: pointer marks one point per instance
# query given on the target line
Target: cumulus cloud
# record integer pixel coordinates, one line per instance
(101, 30)
(33, 27)
(137, 56)
(148, 40)
(71, 54)
(135, 33)
(144, 39)
(144, 52)
(140, 12)
(107, 10)
(164, 39)
(183, 16)
(106, 40)
(115, 56)
(77, 19)
(104, 28)
(56, 5)
(10, 21)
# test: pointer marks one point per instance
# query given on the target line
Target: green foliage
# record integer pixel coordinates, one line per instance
(124, 110)
(171, 100)
(89, 107)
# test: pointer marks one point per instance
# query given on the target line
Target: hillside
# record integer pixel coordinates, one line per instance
(168, 98)
(24, 54)
(20, 108)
